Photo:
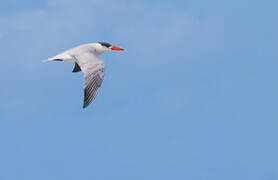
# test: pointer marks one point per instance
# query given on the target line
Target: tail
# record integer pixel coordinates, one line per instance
(51, 59)
(46, 60)
(60, 57)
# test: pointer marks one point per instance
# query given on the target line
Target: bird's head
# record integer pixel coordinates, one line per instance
(103, 47)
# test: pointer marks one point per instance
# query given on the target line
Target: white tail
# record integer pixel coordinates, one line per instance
(46, 60)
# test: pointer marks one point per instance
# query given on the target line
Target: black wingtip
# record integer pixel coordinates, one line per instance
(76, 68)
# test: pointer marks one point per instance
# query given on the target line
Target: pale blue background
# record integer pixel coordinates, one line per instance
(194, 96)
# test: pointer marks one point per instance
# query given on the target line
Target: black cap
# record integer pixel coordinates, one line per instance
(105, 44)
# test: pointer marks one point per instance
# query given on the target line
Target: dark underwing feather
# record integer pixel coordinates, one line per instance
(76, 68)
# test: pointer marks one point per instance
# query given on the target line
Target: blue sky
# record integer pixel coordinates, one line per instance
(194, 96)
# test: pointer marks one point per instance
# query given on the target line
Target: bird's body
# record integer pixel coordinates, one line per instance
(86, 60)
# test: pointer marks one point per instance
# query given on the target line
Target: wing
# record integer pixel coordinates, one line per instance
(76, 68)
(93, 69)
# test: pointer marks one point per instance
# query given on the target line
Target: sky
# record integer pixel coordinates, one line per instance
(193, 96)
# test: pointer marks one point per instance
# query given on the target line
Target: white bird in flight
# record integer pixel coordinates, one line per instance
(86, 60)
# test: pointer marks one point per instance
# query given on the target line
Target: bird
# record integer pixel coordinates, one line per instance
(85, 58)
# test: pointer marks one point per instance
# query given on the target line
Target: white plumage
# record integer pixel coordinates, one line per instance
(86, 60)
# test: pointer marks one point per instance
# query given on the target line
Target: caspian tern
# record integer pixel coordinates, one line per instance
(86, 60)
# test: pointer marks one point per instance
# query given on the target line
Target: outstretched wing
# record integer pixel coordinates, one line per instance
(93, 69)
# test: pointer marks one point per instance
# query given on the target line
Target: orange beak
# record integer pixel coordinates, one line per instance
(115, 48)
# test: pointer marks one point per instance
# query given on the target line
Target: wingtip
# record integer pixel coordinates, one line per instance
(84, 106)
